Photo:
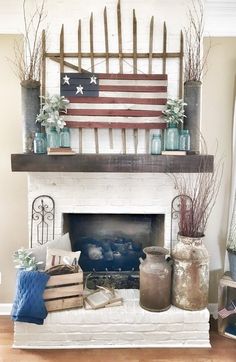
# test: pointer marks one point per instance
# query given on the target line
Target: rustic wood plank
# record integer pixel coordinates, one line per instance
(119, 26)
(116, 55)
(150, 45)
(43, 75)
(79, 47)
(62, 49)
(181, 66)
(132, 76)
(136, 140)
(113, 112)
(61, 304)
(164, 48)
(123, 135)
(134, 43)
(96, 140)
(80, 140)
(91, 41)
(116, 125)
(147, 140)
(108, 100)
(56, 280)
(106, 39)
(112, 163)
(68, 64)
(127, 88)
(61, 292)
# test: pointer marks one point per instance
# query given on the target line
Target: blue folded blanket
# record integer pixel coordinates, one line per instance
(29, 305)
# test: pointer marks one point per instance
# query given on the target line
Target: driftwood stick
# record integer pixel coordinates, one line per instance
(43, 75)
(62, 49)
(91, 41)
(181, 57)
(164, 48)
(150, 45)
(79, 48)
(119, 37)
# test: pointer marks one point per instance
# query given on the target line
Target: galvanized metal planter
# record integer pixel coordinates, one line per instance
(30, 92)
(190, 274)
(192, 96)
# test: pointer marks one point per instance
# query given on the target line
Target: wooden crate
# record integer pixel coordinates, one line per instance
(64, 291)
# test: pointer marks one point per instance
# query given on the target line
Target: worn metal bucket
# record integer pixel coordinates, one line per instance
(30, 92)
(190, 274)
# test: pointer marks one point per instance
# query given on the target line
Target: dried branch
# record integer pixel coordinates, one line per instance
(202, 188)
(28, 59)
(195, 63)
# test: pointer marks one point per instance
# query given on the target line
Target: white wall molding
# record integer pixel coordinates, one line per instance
(220, 18)
(5, 308)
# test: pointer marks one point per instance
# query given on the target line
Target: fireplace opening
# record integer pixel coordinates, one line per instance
(112, 244)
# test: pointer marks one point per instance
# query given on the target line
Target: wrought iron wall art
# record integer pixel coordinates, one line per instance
(176, 209)
(42, 219)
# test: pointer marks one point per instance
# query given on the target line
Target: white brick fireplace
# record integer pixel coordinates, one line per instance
(99, 193)
(128, 325)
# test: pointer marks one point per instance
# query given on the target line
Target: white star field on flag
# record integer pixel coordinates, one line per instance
(66, 80)
(79, 89)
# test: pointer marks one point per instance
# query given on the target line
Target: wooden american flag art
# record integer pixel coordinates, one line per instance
(103, 100)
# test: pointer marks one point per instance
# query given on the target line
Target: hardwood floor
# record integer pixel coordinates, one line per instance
(223, 350)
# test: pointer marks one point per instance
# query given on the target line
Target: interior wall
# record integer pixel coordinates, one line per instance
(217, 120)
(13, 186)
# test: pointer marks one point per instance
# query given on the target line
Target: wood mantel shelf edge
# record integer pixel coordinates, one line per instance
(112, 163)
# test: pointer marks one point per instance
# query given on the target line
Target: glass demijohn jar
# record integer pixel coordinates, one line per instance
(39, 143)
(53, 139)
(156, 145)
(155, 280)
(65, 137)
(172, 137)
(184, 140)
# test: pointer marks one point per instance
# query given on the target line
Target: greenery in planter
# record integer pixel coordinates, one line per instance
(24, 260)
(49, 115)
(174, 112)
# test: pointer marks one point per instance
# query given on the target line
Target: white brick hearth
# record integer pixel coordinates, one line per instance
(127, 326)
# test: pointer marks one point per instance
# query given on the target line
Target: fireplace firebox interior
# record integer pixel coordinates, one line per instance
(113, 242)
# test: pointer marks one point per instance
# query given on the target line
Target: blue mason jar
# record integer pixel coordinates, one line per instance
(40, 144)
(172, 137)
(53, 138)
(156, 145)
(65, 137)
(184, 140)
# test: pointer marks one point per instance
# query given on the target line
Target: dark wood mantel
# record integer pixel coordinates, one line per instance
(112, 163)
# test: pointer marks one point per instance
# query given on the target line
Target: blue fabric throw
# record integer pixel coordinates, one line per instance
(29, 305)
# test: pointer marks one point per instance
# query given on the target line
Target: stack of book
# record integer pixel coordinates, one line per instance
(102, 298)
(59, 151)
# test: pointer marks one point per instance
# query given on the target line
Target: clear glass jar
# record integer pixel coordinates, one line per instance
(184, 140)
(40, 143)
(156, 145)
(155, 280)
(65, 137)
(172, 137)
(53, 138)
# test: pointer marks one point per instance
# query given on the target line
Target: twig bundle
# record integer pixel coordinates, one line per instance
(202, 188)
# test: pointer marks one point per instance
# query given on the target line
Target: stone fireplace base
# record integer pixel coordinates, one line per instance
(126, 326)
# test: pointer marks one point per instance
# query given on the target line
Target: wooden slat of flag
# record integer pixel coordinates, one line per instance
(114, 99)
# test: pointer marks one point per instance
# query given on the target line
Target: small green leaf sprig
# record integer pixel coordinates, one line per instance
(24, 260)
(174, 112)
(49, 115)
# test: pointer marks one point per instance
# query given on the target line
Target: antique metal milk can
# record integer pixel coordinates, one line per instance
(155, 280)
(190, 274)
